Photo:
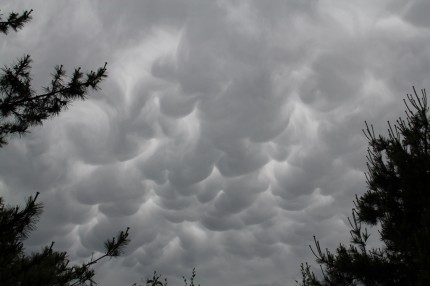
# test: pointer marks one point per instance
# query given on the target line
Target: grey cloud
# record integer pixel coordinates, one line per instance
(262, 211)
(226, 136)
(109, 183)
(415, 13)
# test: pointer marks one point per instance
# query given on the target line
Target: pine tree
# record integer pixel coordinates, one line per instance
(21, 108)
(15, 21)
(157, 280)
(48, 267)
(397, 201)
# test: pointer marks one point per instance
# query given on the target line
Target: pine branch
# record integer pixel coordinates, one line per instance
(15, 21)
(75, 88)
(114, 247)
(21, 108)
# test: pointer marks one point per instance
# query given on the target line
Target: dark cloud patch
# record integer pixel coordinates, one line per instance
(415, 13)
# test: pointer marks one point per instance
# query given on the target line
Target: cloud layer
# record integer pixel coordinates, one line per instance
(226, 135)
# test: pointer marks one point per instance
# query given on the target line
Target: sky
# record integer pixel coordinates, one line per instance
(227, 134)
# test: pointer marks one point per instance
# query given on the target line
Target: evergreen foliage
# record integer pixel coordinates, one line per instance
(158, 280)
(397, 201)
(21, 108)
(15, 21)
(47, 267)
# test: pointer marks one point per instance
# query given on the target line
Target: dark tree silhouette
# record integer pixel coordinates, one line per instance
(48, 267)
(21, 108)
(15, 21)
(158, 280)
(397, 201)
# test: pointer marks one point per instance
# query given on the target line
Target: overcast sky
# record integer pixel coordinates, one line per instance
(227, 134)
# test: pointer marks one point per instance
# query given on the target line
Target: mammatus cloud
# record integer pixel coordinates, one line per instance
(226, 136)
